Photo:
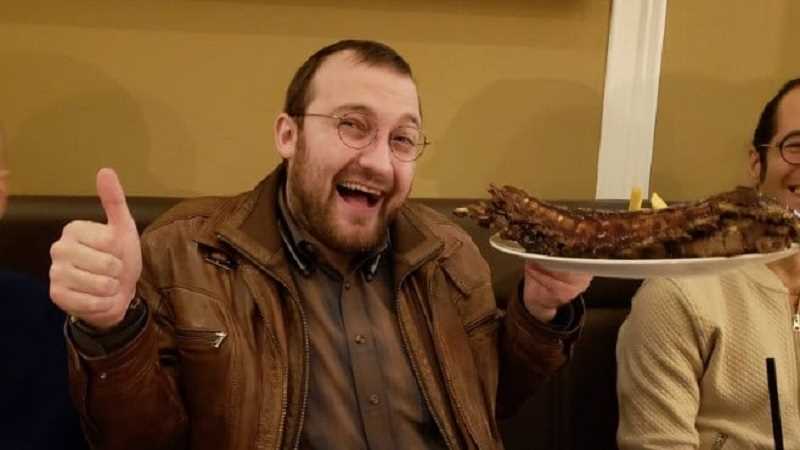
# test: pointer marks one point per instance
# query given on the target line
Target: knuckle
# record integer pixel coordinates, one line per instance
(54, 273)
(55, 293)
(68, 229)
(71, 229)
(58, 295)
(57, 249)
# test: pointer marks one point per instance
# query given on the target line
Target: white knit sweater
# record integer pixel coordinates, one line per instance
(691, 361)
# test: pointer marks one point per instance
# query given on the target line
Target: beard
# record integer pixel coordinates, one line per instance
(313, 206)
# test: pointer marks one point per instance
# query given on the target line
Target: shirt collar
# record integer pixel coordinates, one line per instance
(302, 250)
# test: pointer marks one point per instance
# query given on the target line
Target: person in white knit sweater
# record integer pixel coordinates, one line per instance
(691, 354)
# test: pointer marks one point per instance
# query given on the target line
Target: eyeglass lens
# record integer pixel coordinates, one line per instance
(358, 132)
(790, 148)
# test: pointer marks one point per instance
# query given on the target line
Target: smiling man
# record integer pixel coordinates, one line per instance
(346, 194)
(320, 310)
(691, 354)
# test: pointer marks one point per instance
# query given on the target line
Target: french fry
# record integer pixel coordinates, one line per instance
(657, 202)
(635, 203)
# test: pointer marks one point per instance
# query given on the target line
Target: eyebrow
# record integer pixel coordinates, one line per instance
(357, 107)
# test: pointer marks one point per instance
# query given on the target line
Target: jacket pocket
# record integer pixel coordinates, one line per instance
(486, 323)
(210, 383)
(719, 441)
(200, 338)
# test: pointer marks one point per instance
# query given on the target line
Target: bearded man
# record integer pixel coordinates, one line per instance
(319, 310)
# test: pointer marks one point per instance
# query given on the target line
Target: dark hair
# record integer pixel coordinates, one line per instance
(767, 124)
(372, 53)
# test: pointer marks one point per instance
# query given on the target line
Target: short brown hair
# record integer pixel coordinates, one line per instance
(372, 53)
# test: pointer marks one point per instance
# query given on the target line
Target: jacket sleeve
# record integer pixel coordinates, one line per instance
(659, 369)
(90, 342)
(531, 351)
(128, 398)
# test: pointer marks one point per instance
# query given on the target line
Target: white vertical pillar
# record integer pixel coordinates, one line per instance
(630, 99)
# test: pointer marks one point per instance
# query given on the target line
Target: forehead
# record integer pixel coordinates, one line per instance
(789, 113)
(342, 80)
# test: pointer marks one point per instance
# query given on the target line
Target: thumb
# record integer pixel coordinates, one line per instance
(112, 197)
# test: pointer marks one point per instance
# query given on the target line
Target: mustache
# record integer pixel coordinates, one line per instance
(366, 176)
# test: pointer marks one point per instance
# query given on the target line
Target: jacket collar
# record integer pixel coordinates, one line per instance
(413, 241)
(250, 225)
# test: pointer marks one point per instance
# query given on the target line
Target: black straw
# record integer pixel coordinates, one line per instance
(774, 404)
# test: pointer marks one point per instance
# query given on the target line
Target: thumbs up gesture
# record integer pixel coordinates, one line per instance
(95, 266)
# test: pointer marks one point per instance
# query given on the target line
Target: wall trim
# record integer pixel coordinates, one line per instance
(630, 97)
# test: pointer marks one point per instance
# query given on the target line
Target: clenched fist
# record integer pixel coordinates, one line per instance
(96, 266)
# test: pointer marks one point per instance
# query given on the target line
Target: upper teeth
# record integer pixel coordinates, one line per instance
(360, 187)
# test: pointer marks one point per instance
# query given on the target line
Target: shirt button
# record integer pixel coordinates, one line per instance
(347, 285)
(374, 399)
(103, 376)
(360, 339)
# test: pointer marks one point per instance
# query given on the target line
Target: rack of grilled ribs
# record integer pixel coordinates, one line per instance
(731, 223)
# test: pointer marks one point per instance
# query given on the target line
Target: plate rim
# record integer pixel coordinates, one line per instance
(513, 248)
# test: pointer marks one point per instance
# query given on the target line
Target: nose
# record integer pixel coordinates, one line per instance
(378, 155)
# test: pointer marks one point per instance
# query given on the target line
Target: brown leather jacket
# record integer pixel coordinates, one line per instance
(222, 362)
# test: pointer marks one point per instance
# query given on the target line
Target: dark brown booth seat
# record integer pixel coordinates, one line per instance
(577, 409)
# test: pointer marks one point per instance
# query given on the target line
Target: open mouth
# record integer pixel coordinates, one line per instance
(359, 194)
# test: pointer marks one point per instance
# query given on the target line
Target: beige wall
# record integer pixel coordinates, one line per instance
(180, 96)
(722, 61)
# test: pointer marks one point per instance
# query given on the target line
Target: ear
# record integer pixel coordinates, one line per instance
(754, 167)
(286, 134)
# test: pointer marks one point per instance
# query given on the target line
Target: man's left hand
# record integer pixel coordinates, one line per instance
(546, 291)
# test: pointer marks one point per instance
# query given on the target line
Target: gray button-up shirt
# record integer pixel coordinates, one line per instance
(362, 391)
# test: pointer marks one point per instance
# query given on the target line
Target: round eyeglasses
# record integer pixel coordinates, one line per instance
(358, 132)
(789, 147)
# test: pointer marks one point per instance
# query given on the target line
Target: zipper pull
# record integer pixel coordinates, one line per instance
(221, 334)
(796, 322)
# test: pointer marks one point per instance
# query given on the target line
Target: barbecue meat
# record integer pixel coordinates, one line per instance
(726, 224)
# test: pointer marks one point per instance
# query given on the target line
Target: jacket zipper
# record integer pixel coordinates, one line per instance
(451, 391)
(270, 339)
(306, 363)
(306, 356)
(214, 338)
(417, 375)
(475, 324)
(796, 336)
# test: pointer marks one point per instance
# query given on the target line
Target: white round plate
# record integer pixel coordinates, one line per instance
(641, 268)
